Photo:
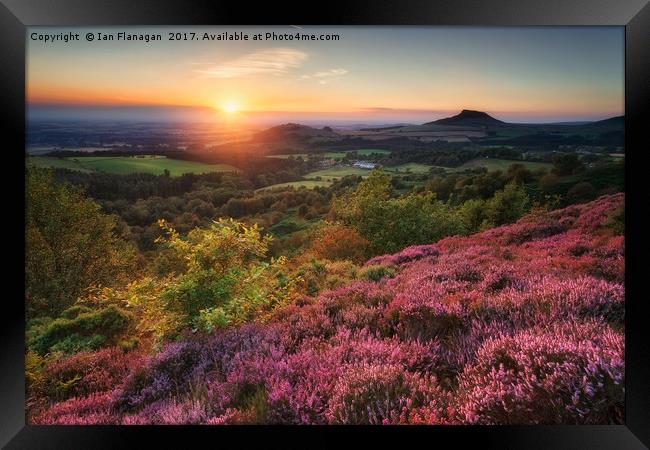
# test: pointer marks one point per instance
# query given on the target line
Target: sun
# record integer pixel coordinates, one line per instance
(230, 107)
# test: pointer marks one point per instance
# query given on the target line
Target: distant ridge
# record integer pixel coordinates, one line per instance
(468, 117)
(295, 131)
(618, 120)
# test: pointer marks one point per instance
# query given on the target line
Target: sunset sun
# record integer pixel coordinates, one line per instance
(230, 107)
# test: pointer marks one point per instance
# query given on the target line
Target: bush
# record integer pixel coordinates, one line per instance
(379, 394)
(334, 241)
(580, 192)
(85, 331)
(225, 280)
(571, 373)
(506, 206)
(376, 272)
(390, 224)
(85, 373)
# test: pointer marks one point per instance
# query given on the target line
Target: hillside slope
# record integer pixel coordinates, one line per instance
(517, 324)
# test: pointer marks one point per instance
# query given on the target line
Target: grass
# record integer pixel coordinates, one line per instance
(309, 184)
(337, 155)
(411, 167)
(56, 163)
(370, 151)
(152, 164)
(289, 224)
(502, 164)
(294, 155)
(337, 172)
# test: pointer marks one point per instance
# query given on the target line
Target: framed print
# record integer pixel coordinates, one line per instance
(403, 221)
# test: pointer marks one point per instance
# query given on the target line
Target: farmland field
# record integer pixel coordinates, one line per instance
(56, 163)
(502, 164)
(287, 156)
(372, 151)
(338, 172)
(410, 167)
(309, 184)
(128, 164)
(336, 155)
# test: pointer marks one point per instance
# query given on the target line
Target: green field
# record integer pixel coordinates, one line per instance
(294, 155)
(370, 151)
(337, 155)
(309, 184)
(411, 168)
(56, 163)
(152, 164)
(502, 164)
(335, 173)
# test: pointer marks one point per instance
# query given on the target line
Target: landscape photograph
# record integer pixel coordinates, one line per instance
(325, 225)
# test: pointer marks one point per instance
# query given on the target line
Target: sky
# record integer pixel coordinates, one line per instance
(369, 75)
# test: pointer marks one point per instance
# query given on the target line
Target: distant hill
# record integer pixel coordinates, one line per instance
(468, 117)
(294, 132)
(612, 122)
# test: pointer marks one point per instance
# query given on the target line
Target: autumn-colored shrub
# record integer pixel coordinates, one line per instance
(335, 241)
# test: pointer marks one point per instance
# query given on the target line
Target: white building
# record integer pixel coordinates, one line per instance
(365, 165)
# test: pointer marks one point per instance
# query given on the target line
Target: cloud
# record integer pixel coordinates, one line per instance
(330, 73)
(274, 61)
(326, 75)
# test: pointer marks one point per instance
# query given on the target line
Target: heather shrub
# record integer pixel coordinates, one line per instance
(168, 374)
(499, 279)
(94, 409)
(182, 366)
(170, 412)
(85, 373)
(380, 394)
(308, 321)
(467, 273)
(413, 253)
(571, 373)
(424, 321)
(528, 231)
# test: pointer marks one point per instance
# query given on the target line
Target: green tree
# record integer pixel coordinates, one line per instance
(70, 245)
(506, 206)
(473, 214)
(581, 192)
(549, 182)
(390, 224)
(567, 164)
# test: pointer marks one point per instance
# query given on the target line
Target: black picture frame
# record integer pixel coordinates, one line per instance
(634, 15)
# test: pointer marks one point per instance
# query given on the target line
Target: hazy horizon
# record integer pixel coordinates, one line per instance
(201, 115)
